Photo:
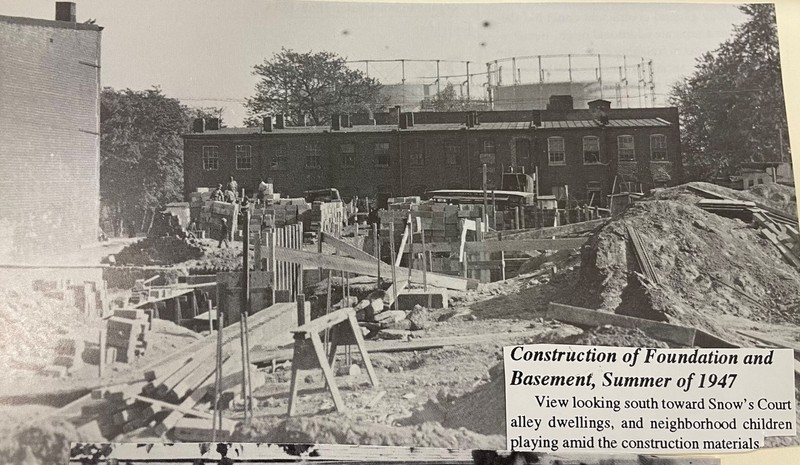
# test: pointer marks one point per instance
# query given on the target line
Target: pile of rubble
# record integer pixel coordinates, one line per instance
(707, 265)
(167, 243)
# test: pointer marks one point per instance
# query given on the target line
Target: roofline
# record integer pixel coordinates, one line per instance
(50, 23)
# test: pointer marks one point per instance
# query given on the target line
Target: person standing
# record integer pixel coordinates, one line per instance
(223, 238)
(233, 186)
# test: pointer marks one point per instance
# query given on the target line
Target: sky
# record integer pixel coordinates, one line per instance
(203, 51)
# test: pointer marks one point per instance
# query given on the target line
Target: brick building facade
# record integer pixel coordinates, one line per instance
(49, 133)
(407, 153)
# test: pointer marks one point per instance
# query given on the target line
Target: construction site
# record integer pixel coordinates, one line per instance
(311, 328)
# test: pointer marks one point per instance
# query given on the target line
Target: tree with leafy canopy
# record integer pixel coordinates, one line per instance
(141, 153)
(732, 107)
(315, 85)
(448, 100)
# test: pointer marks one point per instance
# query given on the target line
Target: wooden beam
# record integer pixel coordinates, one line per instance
(426, 343)
(347, 249)
(526, 245)
(585, 317)
(436, 247)
(402, 246)
(350, 265)
(556, 231)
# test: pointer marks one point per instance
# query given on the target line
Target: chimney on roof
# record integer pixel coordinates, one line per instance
(475, 119)
(212, 124)
(410, 119)
(336, 122)
(537, 118)
(347, 121)
(266, 124)
(280, 122)
(394, 115)
(599, 109)
(66, 11)
(470, 119)
(199, 125)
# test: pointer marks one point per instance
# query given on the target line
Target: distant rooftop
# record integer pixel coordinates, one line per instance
(50, 23)
(490, 126)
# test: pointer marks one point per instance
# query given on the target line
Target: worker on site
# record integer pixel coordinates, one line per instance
(217, 195)
(262, 190)
(223, 234)
(233, 186)
(230, 196)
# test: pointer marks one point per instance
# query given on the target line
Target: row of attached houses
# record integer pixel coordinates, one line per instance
(590, 151)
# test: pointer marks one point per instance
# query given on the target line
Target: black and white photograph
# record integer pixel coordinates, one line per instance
(320, 222)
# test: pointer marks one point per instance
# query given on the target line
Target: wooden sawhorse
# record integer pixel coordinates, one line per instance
(309, 352)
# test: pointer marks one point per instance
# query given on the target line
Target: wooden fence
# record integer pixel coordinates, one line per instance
(286, 277)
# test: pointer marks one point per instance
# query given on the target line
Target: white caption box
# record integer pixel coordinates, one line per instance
(584, 398)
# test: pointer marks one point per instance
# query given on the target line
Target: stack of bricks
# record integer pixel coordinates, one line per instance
(281, 213)
(126, 336)
(328, 217)
(68, 357)
(91, 298)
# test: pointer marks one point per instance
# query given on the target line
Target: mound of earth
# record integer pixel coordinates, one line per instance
(167, 250)
(775, 196)
(708, 265)
(44, 444)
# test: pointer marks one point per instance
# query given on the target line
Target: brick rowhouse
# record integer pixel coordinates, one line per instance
(397, 154)
(49, 142)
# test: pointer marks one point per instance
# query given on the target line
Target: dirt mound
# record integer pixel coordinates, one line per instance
(708, 265)
(160, 251)
(775, 196)
(483, 409)
(32, 325)
(339, 429)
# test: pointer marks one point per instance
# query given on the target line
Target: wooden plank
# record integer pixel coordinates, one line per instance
(347, 249)
(326, 321)
(706, 193)
(350, 265)
(556, 231)
(591, 318)
(428, 343)
(526, 245)
(168, 406)
(778, 342)
(787, 254)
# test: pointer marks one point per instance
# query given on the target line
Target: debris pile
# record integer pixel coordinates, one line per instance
(167, 243)
(707, 264)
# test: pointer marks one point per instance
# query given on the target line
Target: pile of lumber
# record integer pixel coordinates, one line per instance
(176, 394)
(642, 256)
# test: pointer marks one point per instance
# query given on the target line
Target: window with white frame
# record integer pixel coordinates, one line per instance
(348, 153)
(488, 146)
(280, 157)
(626, 151)
(591, 150)
(313, 156)
(381, 152)
(555, 151)
(210, 157)
(451, 151)
(658, 147)
(244, 157)
(416, 155)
